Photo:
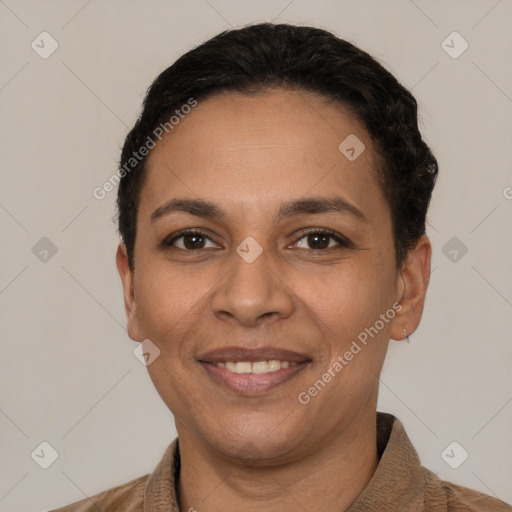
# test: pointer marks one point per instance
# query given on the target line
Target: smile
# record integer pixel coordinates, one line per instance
(251, 378)
(252, 370)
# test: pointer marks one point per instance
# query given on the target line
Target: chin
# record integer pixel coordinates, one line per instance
(266, 444)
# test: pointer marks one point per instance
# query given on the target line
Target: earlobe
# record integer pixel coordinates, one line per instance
(412, 288)
(127, 280)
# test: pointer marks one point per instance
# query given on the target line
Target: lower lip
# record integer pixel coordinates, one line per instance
(252, 383)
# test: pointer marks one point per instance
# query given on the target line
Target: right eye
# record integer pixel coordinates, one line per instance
(188, 240)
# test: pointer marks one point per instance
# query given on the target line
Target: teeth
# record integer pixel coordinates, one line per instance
(274, 365)
(260, 367)
(242, 367)
(271, 365)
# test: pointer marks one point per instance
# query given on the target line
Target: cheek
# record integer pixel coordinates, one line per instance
(347, 308)
(166, 302)
(167, 311)
(347, 300)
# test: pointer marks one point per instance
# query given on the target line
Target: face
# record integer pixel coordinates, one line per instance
(259, 241)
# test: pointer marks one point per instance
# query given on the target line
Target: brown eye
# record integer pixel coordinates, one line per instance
(193, 242)
(321, 240)
(188, 241)
(318, 241)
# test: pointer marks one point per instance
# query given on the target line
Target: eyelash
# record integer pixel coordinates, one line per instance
(342, 241)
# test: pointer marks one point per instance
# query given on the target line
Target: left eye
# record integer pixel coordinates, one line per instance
(320, 240)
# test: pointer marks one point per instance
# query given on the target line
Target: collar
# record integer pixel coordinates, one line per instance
(398, 482)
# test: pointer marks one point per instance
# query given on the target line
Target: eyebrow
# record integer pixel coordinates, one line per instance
(309, 206)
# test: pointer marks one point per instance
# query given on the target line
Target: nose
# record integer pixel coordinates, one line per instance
(251, 292)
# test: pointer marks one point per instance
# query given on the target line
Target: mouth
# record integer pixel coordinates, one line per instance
(253, 371)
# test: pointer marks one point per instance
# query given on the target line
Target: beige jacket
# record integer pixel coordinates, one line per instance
(399, 483)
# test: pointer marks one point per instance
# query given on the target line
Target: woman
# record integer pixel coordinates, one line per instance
(272, 205)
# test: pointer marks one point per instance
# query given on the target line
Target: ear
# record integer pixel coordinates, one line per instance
(127, 280)
(412, 288)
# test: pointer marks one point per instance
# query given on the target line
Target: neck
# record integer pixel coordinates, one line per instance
(337, 472)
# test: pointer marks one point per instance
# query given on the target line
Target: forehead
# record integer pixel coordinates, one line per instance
(260, 149)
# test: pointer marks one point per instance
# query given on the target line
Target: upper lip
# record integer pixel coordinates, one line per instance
(251, 354)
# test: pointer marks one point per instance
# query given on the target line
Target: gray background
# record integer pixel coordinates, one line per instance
(68, 374)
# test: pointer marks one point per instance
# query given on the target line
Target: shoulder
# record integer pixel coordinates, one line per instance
(443, 495)
(128, 497)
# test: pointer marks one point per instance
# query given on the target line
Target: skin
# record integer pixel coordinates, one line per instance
(249, 155)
